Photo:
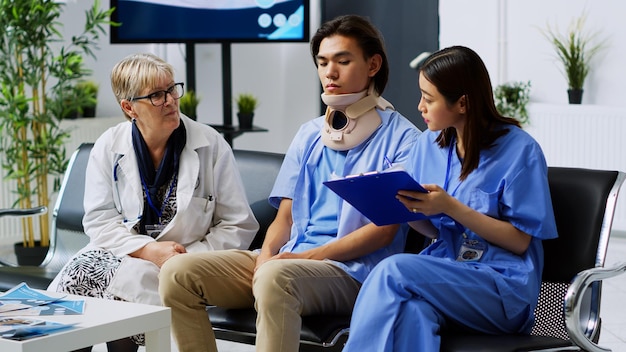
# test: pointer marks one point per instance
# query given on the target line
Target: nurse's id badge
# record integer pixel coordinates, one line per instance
(471, 251)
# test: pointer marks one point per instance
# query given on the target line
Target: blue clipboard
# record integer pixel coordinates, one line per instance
(374, 195)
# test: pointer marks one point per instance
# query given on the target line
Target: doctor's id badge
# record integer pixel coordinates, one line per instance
(154, 230)
(471, 251)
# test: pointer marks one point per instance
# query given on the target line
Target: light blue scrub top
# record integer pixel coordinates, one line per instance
(394, 139)
(511, 184)
(326, 205)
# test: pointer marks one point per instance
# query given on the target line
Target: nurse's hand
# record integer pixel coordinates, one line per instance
(436, 201)
(159, 252)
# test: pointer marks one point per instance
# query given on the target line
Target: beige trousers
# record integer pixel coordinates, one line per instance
(281, 291)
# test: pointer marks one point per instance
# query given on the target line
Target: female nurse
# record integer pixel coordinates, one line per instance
(489, 209)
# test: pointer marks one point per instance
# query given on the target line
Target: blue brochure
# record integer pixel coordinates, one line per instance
(26, 328)
(23, 300)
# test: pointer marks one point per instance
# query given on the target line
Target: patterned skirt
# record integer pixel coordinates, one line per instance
(89, 274)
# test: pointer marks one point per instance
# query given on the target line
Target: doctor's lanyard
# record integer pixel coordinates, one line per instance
(159, 212)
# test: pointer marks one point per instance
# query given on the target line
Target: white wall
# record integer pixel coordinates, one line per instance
(283, 76)
(597, 145)
(507, 35)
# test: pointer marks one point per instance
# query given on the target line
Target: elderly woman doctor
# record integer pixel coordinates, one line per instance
(157, 185)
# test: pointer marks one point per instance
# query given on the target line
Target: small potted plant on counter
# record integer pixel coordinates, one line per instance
(87, 91)
(189, 104)
(511, 100)
(246, 104)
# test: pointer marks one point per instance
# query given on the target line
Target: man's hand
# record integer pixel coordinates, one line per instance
(284, 255)
(262, 258)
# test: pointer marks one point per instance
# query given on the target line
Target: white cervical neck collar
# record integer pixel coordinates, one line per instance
(351, 118)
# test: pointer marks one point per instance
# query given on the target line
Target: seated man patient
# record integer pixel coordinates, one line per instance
(318, 249)
(483, 271)
(157, 185)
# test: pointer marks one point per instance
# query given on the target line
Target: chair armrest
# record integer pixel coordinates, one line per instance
(573, 303)
(23, 212)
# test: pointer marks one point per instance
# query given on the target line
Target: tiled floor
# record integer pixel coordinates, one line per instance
(613, 311)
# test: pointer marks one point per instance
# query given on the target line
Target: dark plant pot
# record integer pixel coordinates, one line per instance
(575, 96)
(245, 121)
(89, 111)
(31, 256)
(70, 115)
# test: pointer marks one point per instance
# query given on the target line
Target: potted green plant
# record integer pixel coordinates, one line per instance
(69, 107)
(511, 100)
(575, 49)
(37, 76)
(246, 104)
(87, 93)
(189, 104)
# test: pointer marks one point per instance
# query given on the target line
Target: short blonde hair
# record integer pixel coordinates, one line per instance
(137, 72)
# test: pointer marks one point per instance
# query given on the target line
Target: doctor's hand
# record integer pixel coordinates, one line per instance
(159, 252)
(436, 201)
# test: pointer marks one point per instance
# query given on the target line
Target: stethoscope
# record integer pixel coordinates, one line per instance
(116, 193)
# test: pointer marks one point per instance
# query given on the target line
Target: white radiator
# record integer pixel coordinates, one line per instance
(81, 130)
(586, 136)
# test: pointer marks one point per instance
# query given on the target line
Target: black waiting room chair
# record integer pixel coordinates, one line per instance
(67, 234)
(568, 313)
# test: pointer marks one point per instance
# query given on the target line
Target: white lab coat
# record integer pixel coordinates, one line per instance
(212, 211)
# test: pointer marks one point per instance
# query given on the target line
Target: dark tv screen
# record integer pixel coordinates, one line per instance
(179, 21)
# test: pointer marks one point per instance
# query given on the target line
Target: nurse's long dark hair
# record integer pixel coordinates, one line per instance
(456, 72)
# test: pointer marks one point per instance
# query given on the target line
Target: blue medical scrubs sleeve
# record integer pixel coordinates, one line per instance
(526, 199)
(287, 178)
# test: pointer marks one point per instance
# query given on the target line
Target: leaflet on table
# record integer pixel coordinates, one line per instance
(23, 300)
(374, 194)
(18, 328)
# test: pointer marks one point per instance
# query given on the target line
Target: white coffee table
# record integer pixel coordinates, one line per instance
(103, 320)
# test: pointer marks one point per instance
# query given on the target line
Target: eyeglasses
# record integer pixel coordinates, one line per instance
(159, 98)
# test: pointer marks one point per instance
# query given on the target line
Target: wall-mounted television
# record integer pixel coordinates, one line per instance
(207, 21)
